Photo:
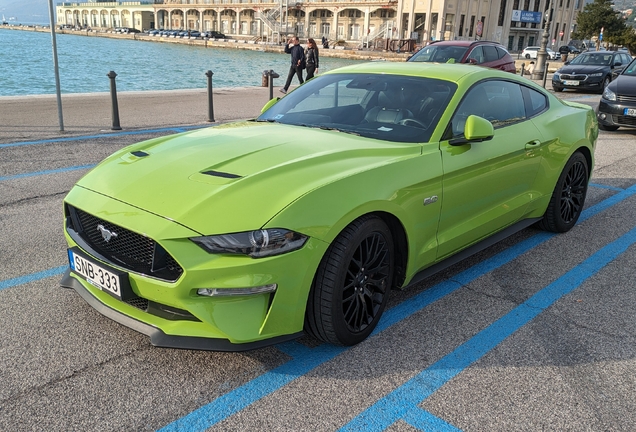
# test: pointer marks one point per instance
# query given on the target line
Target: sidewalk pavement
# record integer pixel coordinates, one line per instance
(28, 118)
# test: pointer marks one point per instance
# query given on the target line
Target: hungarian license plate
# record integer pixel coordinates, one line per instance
(630, 112)
(571, 83)
(96, 274)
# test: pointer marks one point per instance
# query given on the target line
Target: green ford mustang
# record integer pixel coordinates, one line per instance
(364, 179)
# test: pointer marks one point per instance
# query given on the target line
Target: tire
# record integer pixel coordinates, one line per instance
(568, 197)
(352, 284)
(557, 89)
(606, 82)
(527, 56)
(601, 126)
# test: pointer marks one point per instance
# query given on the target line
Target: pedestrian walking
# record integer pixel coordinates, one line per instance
(297, 62)
(311, 58)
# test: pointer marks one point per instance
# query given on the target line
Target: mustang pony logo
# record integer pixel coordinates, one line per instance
(106, 234)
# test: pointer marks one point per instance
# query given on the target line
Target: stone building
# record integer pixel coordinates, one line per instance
(514, 23)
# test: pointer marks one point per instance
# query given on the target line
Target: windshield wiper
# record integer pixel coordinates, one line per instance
(336, 129)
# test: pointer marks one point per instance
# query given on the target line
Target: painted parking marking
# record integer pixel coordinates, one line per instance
(304, 360)
(602, 186)
(33, 277)
(405, 398)
(47, 172)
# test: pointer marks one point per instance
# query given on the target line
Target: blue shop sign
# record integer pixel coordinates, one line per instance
(526, 16)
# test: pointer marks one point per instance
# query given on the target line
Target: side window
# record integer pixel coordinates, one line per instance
(501, 52)
(490, 53)
(500, 102)
(626, 59)
(477, 54)
(536, 102)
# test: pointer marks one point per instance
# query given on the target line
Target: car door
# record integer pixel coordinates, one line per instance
(487, 185)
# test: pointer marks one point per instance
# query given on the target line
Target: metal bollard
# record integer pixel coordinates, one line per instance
(271, 74)
(523, 68)
(545, 73)
(113, 97)
(210, 101)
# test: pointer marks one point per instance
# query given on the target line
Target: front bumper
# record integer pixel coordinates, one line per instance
(613, 114)
(588, 84)
(173, 314)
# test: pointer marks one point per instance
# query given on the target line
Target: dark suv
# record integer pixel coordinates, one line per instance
(483, 53)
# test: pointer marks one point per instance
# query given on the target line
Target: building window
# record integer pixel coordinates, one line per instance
(461, 25)
(472, 26)
(502, 14)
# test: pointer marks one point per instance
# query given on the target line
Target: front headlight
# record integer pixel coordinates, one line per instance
(257, 244)
(598, 74)
(556, 75)
(609, 95)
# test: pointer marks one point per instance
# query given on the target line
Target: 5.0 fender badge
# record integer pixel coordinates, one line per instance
(106, 234)
(430, 200)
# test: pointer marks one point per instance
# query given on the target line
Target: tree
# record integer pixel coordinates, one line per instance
(595, 16)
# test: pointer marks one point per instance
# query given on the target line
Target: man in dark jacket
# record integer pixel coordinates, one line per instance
(297, 62)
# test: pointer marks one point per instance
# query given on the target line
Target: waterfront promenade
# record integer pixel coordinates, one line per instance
(26, 118)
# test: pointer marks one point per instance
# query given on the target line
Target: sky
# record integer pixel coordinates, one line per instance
(26, 11)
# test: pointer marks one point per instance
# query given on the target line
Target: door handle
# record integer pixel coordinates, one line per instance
(531, 145)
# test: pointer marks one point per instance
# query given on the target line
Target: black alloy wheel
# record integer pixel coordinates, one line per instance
(352, 285)
(568, 197)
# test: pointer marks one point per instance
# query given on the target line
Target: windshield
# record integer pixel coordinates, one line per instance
(631, 69)
(440, 54)
(595, 59)
(387, 107)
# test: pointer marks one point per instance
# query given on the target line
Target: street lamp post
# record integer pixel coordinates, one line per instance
(542, 53)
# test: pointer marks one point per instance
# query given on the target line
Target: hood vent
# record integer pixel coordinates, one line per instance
(139, 153)
(221, 174)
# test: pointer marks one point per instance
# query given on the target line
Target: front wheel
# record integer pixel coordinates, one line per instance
(568, 197)
(527, 56)
(351, 288)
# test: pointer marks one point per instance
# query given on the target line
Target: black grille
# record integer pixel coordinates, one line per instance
(573, 77)
(125, 248)
(625, 120)
(139, 303)
(623, 98)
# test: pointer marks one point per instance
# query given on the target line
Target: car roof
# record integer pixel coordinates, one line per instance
(453, 72)
(464, 42)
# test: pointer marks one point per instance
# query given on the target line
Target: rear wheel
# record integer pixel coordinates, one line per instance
(527, 56)
(352, 284)
(568, 197)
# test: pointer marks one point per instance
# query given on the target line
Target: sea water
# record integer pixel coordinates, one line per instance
(26, 64)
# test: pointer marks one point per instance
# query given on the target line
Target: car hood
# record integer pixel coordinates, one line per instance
(624, 85)
(235, 177)
(582, 69)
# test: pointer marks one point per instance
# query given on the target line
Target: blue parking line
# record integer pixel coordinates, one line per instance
(602, 186)
(105, 135)
(424, 420)
(409, 395)
(305, 359)
(20, 280)
(46, 172)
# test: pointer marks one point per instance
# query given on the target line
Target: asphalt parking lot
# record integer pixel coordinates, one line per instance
(537, 332)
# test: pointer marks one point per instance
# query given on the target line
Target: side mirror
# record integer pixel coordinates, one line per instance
(618, 64)
(477, 129)
(269, 104)
(566, 63)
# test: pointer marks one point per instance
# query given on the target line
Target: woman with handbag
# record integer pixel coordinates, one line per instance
(311, 58)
